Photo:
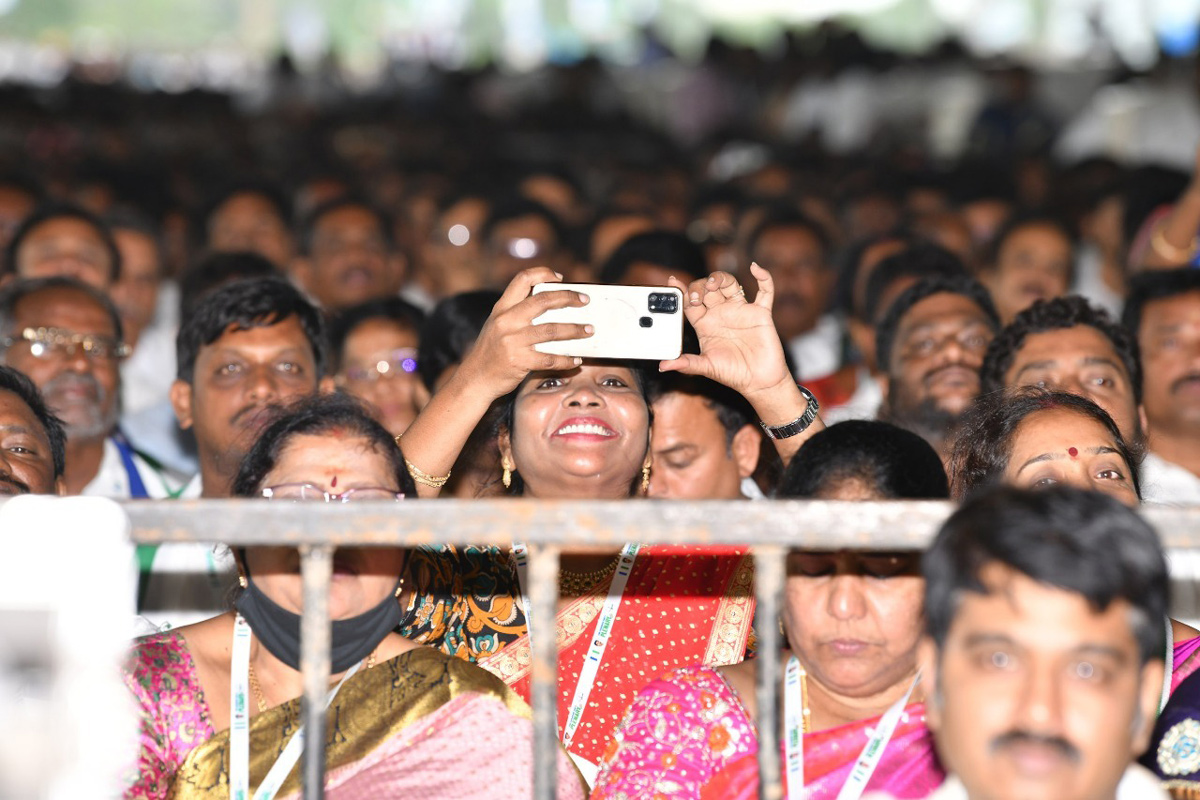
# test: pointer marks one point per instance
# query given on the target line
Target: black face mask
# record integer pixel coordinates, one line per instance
(279, 629)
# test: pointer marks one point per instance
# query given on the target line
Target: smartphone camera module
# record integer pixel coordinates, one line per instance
(663, 303)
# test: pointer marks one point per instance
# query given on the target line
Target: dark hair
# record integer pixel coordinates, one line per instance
(666, 249)
(919, 260)
(1152, 285)
(506, 408)
(393, 309)
(1016, 223)
(263, 188)
(850, 263)
(787, 217)
(315, 415)
(450, 331)
(59, 210)
(983, 446)
(1060, 313)
(309, 224)
(885, 331)
(517, 207)
(242, 305)
(733, 411)
(13, 293)
(895, 463)
(218, 269)
(1082, 542)
(11, 380)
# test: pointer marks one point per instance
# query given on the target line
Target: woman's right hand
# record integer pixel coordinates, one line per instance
(504, 352)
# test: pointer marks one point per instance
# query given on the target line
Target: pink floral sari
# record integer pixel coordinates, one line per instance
(687, 736)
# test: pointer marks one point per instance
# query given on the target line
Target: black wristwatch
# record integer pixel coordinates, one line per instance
(798, 425)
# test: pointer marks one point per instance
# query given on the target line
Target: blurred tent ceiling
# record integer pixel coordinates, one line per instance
(221, 42)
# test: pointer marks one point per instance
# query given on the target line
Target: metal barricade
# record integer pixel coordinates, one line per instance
(549, 527)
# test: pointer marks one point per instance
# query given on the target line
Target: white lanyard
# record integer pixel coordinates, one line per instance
(793, 721)
(520, 554)
(868, 759)
(604, 627)
(1168, 668)
(239, 729)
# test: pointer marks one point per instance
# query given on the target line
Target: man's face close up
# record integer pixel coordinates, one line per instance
(1039, 696)
(1169, 338)
(26, 460)
(76, 367)
(692, 455)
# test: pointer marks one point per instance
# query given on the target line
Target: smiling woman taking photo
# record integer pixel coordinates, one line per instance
(580, 429)
(406, 716)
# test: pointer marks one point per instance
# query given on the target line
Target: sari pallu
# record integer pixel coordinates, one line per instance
(687, 736)
(420, 725)
(683, 605)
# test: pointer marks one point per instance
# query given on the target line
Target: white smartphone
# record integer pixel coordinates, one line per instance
(644, 322)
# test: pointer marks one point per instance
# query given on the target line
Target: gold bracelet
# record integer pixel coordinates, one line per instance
(424, 478)
(421, 476)
(1169, 252)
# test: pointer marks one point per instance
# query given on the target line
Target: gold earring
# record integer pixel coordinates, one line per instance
(646, 478)
(243, 582)
(506, 476)
(400, 587)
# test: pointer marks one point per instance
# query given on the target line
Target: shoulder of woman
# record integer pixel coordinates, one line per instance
(159, 653)
(463, 678)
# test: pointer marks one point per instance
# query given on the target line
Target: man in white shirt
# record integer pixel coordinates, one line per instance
(67, 337)
(1044, 653)
(1163, 312)
(796, 251)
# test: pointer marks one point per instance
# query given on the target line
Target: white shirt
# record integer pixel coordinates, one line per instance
(112, 480)
(1168, 484)
(863, 404)
(819, 352)
(1138, 783)
(188, 581)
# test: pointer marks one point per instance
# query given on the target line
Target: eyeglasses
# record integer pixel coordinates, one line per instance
(399, 362)
(307, 492)
(48, 342)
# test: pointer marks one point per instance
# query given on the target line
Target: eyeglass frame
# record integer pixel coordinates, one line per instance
(328, 497)
(67, 339)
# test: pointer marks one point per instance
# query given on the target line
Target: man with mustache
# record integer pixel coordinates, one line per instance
(930, 343)
(1044, 614)
(32, 441)
(1163, 312)
(67, 337)
(247, 349)
(347, 255)
(795, 250)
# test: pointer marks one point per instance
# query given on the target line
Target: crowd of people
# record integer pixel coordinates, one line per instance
(335, 303)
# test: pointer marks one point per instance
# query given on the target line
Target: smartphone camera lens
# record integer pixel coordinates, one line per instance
(645, 322)
(662, 303)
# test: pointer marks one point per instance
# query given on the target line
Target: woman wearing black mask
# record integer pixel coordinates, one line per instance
(399, 708)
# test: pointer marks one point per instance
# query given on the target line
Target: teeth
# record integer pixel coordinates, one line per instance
(594, 430)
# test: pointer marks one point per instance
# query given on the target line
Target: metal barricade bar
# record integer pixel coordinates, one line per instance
(549, 528)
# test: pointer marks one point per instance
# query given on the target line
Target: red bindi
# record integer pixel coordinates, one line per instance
(1071, 451)
(333, 482)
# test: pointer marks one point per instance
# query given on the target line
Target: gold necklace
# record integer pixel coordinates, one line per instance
(257, 687)
(574, 584)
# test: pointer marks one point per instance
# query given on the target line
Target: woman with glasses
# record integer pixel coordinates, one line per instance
(375, 352)
(220, 700)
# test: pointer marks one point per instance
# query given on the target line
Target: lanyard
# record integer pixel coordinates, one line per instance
(239, 729)
(520, 554)
(868, 759)
(1168, 668)
(604, 627)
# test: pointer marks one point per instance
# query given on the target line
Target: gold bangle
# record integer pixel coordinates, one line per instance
(421, 476)
(424, 478)
(1169, 252)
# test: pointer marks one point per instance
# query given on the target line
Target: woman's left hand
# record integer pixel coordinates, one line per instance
(739, 346)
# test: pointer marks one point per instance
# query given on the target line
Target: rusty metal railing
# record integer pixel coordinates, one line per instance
(771, 528)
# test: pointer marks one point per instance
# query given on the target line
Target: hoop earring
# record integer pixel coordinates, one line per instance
(645, 479)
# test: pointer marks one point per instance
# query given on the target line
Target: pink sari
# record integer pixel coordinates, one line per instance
(687, 736)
